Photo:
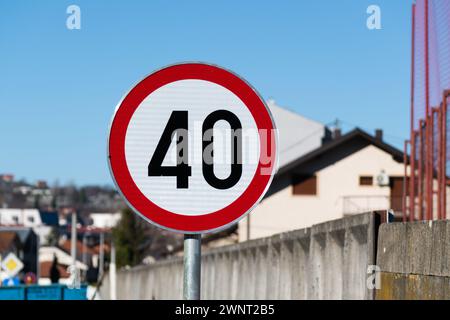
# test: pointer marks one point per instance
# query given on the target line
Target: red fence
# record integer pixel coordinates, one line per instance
(428, 164)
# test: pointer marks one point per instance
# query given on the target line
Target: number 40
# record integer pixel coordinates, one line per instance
(178, 123)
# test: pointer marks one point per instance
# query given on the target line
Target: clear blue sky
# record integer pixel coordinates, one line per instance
(59, 87)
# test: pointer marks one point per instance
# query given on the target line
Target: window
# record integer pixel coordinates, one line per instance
(15, 219)
(366, 180)
(305, 185)
(31, 219)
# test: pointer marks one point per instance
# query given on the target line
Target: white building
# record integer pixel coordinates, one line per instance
(297, 135)
(31, 218)
(105, 220)
(23, 217)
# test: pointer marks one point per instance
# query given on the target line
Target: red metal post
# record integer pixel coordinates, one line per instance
(429, 166)
(444, 154)
(427, 64)
(412, 179)
(420, 168)
(439, 164)
(405, 179)
(435, 162)
(412, 157)
(427, 108)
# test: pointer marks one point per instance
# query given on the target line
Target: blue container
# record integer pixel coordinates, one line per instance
(52, 292)
(12, 293)
(37, 292)
(75, 294)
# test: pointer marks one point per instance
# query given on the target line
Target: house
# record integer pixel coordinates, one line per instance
(297, 135)
(104, 220)
(9, 243)
(349, 174)
(46, 256)
(42, 222)
(7, 178)
(83, 252)
(24, 243)
(22, 217)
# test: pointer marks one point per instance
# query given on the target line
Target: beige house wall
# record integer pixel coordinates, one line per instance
(284, 211)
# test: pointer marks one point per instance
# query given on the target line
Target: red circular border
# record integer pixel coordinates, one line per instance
(119, 169)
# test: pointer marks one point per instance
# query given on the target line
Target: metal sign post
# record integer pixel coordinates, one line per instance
(192, 266)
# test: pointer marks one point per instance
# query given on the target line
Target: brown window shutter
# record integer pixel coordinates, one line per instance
(305, 185)
(366, 180)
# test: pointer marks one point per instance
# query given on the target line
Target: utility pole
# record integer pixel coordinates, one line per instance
(73, 239)
(84, 257)
(112, 273)
(101, 256)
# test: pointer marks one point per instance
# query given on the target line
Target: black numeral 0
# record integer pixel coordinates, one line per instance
(178, 123)
(236, 148)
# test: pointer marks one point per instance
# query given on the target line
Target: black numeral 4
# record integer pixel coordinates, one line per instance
(178, 124)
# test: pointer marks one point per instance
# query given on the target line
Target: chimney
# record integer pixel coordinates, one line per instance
(337, 133)
(41, 184)
(379, 134)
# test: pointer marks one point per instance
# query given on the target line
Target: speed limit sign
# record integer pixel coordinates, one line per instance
(192, 148)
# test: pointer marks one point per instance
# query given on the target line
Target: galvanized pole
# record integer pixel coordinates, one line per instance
(101, 257)
(192, 266)
(112, 273)
(73, 239)
(84, 255)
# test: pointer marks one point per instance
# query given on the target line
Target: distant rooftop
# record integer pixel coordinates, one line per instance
(297, 135)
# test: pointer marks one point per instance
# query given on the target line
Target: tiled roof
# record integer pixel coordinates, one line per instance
(45, 267)
(6, 240)
(66, 246)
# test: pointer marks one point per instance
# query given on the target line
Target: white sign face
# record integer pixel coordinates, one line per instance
(199, 99)
(192, 148)
(12, 265)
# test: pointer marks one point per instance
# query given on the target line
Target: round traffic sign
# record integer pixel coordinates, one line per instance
(192, 148)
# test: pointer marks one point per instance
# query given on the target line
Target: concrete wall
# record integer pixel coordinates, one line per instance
(414, 259)
(334, 182)
(326, 261)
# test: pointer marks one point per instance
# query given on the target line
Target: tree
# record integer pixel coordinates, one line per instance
(128, 236)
